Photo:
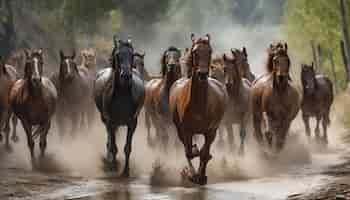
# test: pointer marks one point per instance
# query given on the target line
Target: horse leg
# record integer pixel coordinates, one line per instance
(128, 146)
(14, 120)
(148, 127)
(111, 145)
(242, 134)
(204, 156)
(230, 136)
(28, 129)
(164, 134)
(7, 129)
(43, 138)
(324, 126)
(190, 150)
(60, 124)
(307, 126)
(317, 129)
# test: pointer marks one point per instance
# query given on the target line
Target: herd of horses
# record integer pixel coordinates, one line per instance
(216, 92)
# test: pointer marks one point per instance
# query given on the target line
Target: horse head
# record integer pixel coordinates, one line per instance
(244, 66)
(308, 78)
(33, 70)
(279, 64)
(139, 62)
(88, 57)
(68, 67)
(233, 74)
(170, 62)
(200, 56)
(123, 61)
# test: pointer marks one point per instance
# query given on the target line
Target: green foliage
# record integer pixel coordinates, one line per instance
(318, 21)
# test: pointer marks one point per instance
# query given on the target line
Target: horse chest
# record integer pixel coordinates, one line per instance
(121, 109)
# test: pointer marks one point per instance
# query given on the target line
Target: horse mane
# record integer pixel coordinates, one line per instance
(163, 58)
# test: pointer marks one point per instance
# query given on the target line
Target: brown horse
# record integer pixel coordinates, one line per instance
(197, 105)
(88, 60)
(238, 89)
(275, 101)
(33, 100)
(157, 96)
(217, 69)
(317, 100)
(8, 77)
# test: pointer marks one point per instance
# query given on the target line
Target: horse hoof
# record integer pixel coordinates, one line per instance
(126, 174)
(200, 180)
(15, 138)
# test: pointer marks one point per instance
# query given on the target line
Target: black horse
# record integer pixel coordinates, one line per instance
(119, 96)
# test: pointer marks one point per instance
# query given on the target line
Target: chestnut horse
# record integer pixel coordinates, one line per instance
(74, 87)
(33, 100)
(238, 89)
(275, 101)
(8, 76)
(157, 97)
(197, 105)
(317, 100)
(119, 96)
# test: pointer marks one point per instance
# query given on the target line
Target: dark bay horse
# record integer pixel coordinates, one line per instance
(157, 97)
(197, 105)
(275, 100)
(317, 100)
(8, 76)
(74, 87)
(119, 96)
(33, 100)
(238, 89)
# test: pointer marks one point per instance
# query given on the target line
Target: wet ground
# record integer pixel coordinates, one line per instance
(73, 169)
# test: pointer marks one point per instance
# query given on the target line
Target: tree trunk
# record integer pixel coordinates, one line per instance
(314, 56)
(336, 86)
(345, 36)
(345, 61)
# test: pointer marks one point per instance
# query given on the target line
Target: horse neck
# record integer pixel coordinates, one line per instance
(237, 85)
(34, 92)
(169, 79)
(199, 92)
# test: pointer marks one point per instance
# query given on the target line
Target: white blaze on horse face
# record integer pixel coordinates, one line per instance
(68, 65)
(36, 67)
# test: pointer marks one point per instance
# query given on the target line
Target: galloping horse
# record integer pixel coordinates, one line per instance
(8, 77)
(74, 94)
(275, 101)
(88, 60)
(119, 96)
(157, 96)
(33, 100)
(197, 105)
(317, 100)
(238, 89)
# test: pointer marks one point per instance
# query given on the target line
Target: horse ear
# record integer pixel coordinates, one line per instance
(129, 40)
(286, 46)
(192, 37)
(224, 57)
(40, 52)
(245, 52)
(208, 37)
(26, 52)
(115, 40)
(61, 54)
(73, 54)
(143, 54)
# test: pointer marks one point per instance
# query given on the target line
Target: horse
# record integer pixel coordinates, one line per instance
(275, 101)
(8, 76)
(197, 106)
(238, 89)
(119, 95)
(88, 60)
(139, 65)
(33, 100)
(16, 60)
(317, 100)
(217, 69)
(74, 89)
(157, 96)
